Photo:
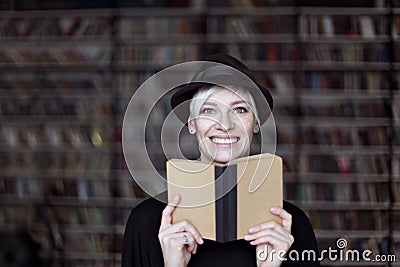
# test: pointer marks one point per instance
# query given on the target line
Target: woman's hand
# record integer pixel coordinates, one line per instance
(179, 240)
(272, 239)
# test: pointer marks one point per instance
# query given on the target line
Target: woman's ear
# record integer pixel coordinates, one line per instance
(256, 127)
(191, 127)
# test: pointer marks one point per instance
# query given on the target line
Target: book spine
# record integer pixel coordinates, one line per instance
(226, 206)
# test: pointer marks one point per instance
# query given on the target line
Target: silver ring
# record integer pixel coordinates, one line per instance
(185, 240)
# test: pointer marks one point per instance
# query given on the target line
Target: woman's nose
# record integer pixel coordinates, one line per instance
(224, 122)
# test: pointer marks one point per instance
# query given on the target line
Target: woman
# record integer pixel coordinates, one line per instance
(224, 120)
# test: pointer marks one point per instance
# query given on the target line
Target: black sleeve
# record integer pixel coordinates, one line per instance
(304, 239)
(140, 244)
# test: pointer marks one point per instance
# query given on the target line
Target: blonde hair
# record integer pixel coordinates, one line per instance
(200, 97)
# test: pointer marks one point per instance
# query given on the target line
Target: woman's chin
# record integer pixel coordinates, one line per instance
(224, 157)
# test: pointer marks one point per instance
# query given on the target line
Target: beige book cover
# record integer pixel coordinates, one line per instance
(224, 201)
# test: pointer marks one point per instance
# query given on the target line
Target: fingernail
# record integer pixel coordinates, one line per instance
(252, 230)
(247, 237)
(201, 240)
(273, 209)
(252, 243)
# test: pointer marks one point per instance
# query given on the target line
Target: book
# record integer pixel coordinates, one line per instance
(367, 27)
(328, 26)
(224, 201)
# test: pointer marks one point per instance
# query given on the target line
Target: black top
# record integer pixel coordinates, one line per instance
(141, 246)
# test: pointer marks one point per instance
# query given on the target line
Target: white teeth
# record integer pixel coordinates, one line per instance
(224, 140)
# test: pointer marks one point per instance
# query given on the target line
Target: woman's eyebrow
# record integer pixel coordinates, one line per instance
(238, 102)
(209, 103)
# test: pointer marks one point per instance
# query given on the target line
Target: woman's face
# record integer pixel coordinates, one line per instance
(224, 128)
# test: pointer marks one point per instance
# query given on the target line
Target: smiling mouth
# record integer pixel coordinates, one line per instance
(224, 141)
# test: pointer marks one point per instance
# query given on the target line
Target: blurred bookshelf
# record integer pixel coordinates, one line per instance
(69, 69)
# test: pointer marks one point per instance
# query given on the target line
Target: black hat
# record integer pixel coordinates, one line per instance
(232, 70)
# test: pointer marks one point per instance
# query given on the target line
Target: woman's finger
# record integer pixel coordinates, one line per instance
(179, 241)
(265, 225)
(184, 226)
(190, 243)
(166, 218)
(278, 232)
(269, 225)
(277, 243)
(284, 215)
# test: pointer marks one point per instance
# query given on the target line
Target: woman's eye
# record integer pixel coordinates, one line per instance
(240, 110)
(208, 111)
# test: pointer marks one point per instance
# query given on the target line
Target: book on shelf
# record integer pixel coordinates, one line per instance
(68, 25)
(396, 107)
(224, 201)
(396, 27)
(314, 25)
(100, 26)
(82, 28)
(272, 52)
(328, 26)
(7, 28)
(100, 189)
(239, 26)
(367, 27)
(24, 27)
(283, 83)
